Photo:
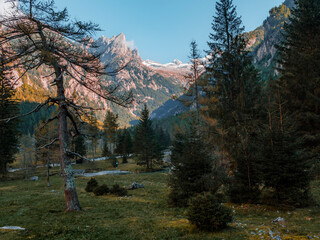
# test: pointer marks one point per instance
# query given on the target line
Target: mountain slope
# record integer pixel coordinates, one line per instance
(264, 39)
(261, 42)
(148, 86)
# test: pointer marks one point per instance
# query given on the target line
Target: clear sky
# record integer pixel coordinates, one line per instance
(163, 29)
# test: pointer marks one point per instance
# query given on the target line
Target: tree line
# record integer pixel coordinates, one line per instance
(256, 140)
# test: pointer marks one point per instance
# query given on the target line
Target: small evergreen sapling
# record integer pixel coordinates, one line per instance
(91, 185)
(207, 213)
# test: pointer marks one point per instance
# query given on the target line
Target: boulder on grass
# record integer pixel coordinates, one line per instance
(35, 178)
(135, 185)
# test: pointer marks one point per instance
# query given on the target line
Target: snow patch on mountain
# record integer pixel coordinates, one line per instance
(174, 65)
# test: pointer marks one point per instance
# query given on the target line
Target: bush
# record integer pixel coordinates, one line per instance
(117, 190)
(125, 159)
(192, 173)
(91, 185)
(207, 213)
(101, 190)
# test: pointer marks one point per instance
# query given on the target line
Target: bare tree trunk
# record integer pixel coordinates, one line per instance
(270, 119)
(247, 158)
(72, 202)
(93, 151)
(280, 111)
(48, 168)
(25, 166)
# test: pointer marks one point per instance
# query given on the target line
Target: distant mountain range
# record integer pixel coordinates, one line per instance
(261, 42)
(151, 83)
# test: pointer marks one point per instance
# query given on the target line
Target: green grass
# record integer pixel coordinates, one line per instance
(142, 215)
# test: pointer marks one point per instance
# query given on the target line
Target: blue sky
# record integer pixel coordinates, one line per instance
(162, 30)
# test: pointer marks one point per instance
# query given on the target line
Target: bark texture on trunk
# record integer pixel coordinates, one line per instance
(48, 168)
(72, 202)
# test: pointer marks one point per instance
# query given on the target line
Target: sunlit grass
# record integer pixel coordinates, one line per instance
(143, 214)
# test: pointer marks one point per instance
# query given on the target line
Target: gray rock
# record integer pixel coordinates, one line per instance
(279, 219)
(136, 185)
(12, 228)
(35, 178)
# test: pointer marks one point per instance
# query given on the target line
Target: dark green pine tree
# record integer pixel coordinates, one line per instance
(192, 169)
(79, 147)
(300, 82)
(162, 138)
(9, 133)
(111, 126)
(235, 92)
(282, 164)
(144, 140)
(124, 144)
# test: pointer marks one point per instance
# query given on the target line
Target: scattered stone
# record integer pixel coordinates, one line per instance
(279, 219)
(270, 233)
(35, 178)
(136, 185)
(12, 228)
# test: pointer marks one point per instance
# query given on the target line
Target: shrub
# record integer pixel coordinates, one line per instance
(91, 185)
(124, 159)
(101, 190)
(207, 213)
(192, 172)
(117, 190)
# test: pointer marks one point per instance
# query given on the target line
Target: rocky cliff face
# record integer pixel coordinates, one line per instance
(268, 36)
(148, 86)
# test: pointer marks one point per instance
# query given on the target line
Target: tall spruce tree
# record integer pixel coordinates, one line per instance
(111, 126)
(299, 85)
(191, 171)
(124, 144)
(44, 151)
(299, 68)
(9, 133)
(193, 79)
(93, 132)
(144, 140)
(234, 89)
(79, 147)
(282, 164)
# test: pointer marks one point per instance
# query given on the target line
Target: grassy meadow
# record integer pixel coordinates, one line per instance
(143, 214)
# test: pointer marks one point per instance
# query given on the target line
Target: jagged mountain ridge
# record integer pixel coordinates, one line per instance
(264, 39)
(148, 86)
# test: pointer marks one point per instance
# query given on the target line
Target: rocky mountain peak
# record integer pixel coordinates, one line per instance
(289, 3)
(114, 48)
(177, 62)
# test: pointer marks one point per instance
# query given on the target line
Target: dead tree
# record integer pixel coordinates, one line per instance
(37, 34)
